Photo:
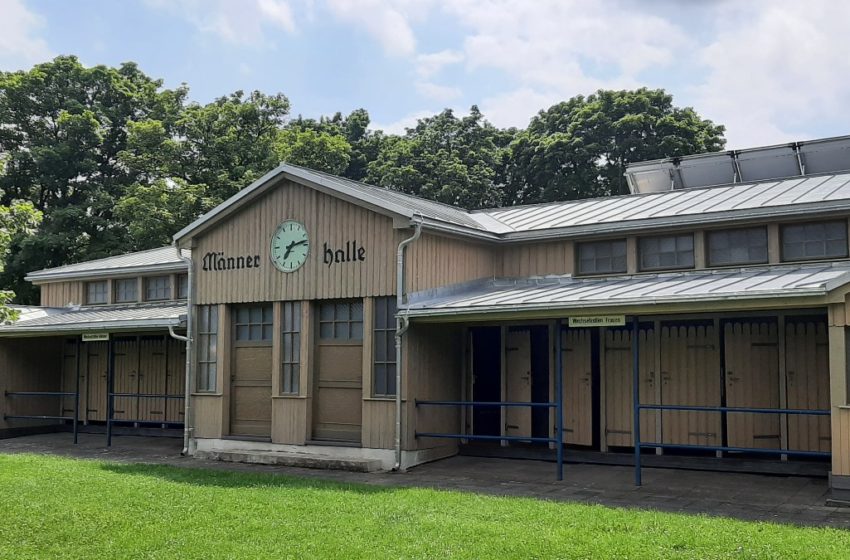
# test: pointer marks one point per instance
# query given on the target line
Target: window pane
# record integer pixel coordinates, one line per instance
(326, 331)
(326, 312)
(341, 331)
(600, 257)
(242, 332)
(672, 251)
(356, 331)
(814, 241)
(357, 311)
(341, 312)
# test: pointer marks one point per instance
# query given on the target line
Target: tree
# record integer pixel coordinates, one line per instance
(444, 158)
(321, 151)
(580, 148)
(17, 221)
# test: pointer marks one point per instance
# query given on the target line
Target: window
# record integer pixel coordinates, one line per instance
(341, 320)
(182, 286)
(207, 337)
(157, 288)
(823, 240)
(125, 290)
(602, 257)
(383, 384)
(737, 246)
(291, 349)
(96, 292)
(667, 251)
(253, 323)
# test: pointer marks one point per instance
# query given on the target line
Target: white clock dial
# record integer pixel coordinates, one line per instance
(290, 246)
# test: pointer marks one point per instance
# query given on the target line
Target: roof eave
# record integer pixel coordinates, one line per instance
(79, 328)
(38, 278)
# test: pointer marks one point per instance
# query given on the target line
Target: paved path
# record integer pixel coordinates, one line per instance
(782, 499)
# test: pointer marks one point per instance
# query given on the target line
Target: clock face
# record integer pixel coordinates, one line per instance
(290, 246)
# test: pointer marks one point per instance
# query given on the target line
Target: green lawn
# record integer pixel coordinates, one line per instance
(63, 508)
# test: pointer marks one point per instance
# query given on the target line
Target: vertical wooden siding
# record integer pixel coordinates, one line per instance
(434, 261)
(60, 294)
(807, 365)
(328, 220)
(537, 259)
(617, 368)
(29, 364)
(578, 387)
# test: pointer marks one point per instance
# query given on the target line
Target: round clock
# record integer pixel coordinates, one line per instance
(290, 246)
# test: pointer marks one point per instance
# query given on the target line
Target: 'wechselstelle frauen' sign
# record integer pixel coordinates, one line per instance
(598, 321)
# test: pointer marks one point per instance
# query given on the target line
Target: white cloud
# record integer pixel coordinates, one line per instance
(437, 92)
(399, 126)
(515, 108)
(427, 65)
(251, 23)
(20, 44)
(776, 69)
(388, 21)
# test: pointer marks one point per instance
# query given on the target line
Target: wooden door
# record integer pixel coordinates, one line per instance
(69, 381)
(578, 386)
(518, 382)
(152, 378)
(338, 397)
(690, 375)
(617, 366)
(126, 378)
(251, 371)
(807, 374)
(175, 383)
(751, 351)
(95, 383)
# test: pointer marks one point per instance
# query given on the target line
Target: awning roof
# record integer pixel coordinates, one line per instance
(162, 259)
(96, 319)
(570, 293)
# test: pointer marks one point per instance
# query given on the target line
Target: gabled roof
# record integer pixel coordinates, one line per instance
(163, 259)
(111, 318)
(582, 295)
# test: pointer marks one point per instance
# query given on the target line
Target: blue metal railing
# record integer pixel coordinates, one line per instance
(53, 394)
(111, 407)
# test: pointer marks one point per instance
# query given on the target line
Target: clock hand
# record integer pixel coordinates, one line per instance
(291, 246)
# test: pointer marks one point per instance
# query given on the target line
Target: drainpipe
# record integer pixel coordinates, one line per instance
(188, 421)
(402, 324)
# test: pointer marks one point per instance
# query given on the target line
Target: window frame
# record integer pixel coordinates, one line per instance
(349, 321)
(596, 243)
(708, 246)
(91, 284)
(265, 324)
(116, 291)
(676, 237)
(783, 252)
(383, 332)
(182, 286)
(207, 339)
(290, 347)
(166, 278)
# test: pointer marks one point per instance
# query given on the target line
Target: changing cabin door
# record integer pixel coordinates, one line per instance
(251, 371)
(752, 380)
(95, 379)
(690, 375)
(617, 364)
(807, 374)
(578, 386)
(337, 409)
(518, 382)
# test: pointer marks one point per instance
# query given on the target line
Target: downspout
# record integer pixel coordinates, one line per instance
(188, 421)
(401, 325)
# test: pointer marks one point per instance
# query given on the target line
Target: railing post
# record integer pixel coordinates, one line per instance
(559, 399)
(110, 382)
(636, 395)
(77, 391)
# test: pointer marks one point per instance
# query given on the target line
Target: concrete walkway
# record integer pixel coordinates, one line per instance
(781, 499)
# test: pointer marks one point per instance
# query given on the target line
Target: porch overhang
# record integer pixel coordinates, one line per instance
(40, 321)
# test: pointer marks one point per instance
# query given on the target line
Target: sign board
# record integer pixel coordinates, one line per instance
(96, 337)
(598, 321)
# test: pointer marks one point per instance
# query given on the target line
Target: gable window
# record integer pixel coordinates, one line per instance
(341, 320)
(667, 251)
(182, 286)
(383, 380)
(96, 292)
(737, 246)
(824, 240)
(253, 323)
(207, 321)
(125, 290)
(291, 347)
(602, 257)
(157, 288)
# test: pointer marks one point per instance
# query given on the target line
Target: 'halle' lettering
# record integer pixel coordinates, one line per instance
(350, 253)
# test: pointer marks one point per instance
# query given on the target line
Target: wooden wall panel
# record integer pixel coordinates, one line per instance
(578, 387)
(434, 261)
(95, 376)
(378, 423)
(30, 364)
(433, 360)
(537, 259)
(126, 378)
(175, 380)
(328, 220)
(208, 416)
(153, 369)
(807, 373)
(69, 380)
(690, 367)
(289, 420)
(518, 382)
(60, 294)
(617, 368)
(752, 380)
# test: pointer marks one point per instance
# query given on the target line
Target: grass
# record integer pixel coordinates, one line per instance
(53, 507)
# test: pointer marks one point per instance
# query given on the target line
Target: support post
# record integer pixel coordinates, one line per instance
(110, 389)
(636, 394)
(77, 390)
(559, 399)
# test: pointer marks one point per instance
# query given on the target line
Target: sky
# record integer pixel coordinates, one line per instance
(771, 71)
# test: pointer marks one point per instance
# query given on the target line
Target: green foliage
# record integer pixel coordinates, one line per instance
(63, 508)
(317, 150)
(17, 220)
(580, 148)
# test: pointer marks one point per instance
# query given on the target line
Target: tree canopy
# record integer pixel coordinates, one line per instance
(115, 162)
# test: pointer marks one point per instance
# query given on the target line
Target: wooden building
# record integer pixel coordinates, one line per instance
(357, 325)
